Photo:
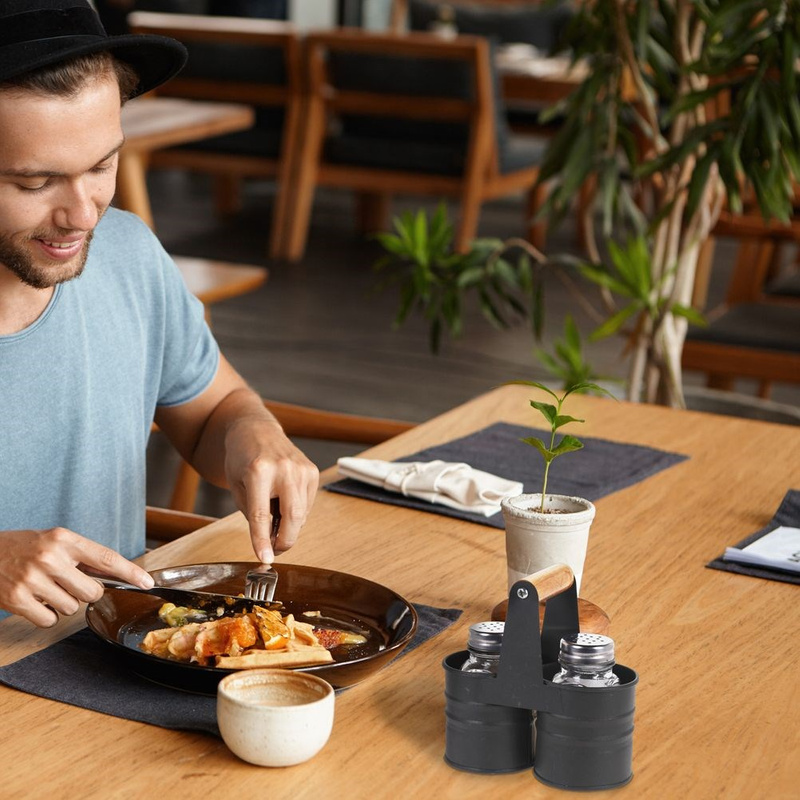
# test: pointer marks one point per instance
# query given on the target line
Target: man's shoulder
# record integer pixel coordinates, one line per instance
(118, 223)
(125, 256)
(122, 238)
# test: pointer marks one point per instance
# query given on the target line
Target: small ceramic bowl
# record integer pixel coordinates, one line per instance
(274, 717)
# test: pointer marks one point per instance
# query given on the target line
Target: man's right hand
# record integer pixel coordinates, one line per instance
(41, 573)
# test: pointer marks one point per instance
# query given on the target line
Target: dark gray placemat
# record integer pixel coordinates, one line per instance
(788, 514)
(83, 671)
(602, 467)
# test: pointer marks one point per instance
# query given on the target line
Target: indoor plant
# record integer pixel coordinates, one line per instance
(690, 109)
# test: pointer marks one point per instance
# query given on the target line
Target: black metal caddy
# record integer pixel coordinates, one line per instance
(578, 738)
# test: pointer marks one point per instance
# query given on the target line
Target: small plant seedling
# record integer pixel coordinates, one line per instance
(555, 419)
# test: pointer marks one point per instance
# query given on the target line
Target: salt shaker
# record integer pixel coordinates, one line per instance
(485, 639)
(586, 659)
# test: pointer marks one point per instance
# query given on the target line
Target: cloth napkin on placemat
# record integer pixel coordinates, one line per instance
(602, 467)
(787, 515)
(83, 671)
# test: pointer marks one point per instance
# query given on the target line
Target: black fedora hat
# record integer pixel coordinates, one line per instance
(38, 33)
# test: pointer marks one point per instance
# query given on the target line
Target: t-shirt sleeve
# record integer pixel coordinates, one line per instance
(191, 354)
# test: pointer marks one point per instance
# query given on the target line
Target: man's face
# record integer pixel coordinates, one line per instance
(58, 167)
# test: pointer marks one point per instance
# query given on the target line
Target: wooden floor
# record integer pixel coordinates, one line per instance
(320, 332)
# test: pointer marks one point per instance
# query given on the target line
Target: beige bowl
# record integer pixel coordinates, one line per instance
(274, 717)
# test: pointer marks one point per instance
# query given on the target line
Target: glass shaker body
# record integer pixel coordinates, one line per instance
(485, 640)
(586, 659)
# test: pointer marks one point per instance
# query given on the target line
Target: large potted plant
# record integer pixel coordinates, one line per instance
(690, 110)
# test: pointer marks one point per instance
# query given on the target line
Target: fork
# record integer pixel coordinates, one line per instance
(260, 582)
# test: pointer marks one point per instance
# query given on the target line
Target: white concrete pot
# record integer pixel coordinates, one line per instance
(535, 540)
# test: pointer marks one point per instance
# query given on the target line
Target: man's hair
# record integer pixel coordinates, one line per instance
(67, 78)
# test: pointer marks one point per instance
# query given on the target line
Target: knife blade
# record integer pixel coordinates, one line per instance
(213, 604)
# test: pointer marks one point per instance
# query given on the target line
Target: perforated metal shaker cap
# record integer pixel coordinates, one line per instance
(587, 651)
(486, 637)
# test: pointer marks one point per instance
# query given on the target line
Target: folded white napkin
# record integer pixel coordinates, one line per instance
(448, 483)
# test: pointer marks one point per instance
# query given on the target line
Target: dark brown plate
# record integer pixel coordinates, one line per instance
(122, 619)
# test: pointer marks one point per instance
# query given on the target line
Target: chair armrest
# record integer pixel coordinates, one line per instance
(166, 525)
(312, 423)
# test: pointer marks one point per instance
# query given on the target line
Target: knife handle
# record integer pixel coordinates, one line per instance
(275, 511)
(112, 583)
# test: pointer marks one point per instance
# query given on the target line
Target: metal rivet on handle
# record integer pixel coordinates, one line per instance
(522, 593)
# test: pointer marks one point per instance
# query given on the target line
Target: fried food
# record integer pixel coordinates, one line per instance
(260, 638)
(302, 657)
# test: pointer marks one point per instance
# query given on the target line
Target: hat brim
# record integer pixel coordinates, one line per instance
(155, 59)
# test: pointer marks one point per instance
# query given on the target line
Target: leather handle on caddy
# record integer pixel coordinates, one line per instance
(552, 581)
(547, 582)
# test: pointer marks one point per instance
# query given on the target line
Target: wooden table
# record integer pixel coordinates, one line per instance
(212, 281)
(152, 123)
(528, 77)
(717, 653)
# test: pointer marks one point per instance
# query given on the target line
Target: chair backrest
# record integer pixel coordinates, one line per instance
(734, 404)
(538, 24)
(409, 90)
(232, 59)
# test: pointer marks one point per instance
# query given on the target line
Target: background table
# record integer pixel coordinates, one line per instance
(716, 652)
(152, 123)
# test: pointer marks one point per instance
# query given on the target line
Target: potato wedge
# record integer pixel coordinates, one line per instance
(256, 659)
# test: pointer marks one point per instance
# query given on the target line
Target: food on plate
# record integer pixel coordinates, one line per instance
(259, 638)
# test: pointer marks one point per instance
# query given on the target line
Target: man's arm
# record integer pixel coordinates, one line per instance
(228, 436)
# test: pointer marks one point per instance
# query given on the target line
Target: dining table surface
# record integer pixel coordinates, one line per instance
(716, 652)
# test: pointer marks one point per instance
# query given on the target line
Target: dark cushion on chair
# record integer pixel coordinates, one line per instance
(394, 75)
(235, 62)
(540, 26)
(761, 326)
(263, 139)
(788, 286)
(407, 144)
(243, 63)
(436, 158)
(521, 152)
(174, 6)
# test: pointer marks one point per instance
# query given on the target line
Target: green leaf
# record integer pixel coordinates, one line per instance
(568, 444)
(394, 244)
(565, 419)
(615, 322)
(541, 447)
(588, 386)
(420, 233)
(599, 276)
(537, 310)
(470, 277)
(546, 410)
(490, 312)
(535, 385)
(692, 314)
(571, 334)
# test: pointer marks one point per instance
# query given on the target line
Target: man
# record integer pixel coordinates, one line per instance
(98, 334)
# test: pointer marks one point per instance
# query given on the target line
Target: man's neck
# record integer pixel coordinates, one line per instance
(20, 305)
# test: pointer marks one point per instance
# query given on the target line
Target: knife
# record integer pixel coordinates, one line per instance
(214, 605)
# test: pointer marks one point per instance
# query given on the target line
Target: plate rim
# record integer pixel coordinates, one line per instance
(214, 671)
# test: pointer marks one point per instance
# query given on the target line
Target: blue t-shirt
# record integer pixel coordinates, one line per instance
(79, 388)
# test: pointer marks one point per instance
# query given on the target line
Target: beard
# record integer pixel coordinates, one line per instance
(18, 260)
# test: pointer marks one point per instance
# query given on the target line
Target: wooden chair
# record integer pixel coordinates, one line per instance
(167, 524)
(233, 59)
(754, 333)
(412, 114)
